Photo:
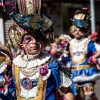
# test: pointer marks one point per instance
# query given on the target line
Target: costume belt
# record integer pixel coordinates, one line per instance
(81, 67)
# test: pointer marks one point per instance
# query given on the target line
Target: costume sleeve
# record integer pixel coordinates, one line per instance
(58, 76)
(91, 47)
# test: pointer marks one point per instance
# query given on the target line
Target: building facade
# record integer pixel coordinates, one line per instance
(60, 11)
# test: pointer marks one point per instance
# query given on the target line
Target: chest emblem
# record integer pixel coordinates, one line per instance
(26, 83)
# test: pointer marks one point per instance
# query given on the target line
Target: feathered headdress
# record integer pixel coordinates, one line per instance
(28, 18)
(28, 15)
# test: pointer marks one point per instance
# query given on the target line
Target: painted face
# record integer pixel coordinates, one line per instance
(77, 33)
(31, 46)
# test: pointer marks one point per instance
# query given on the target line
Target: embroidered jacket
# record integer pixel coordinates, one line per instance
(38, 79)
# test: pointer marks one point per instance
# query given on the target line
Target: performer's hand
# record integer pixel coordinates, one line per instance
(93, 61)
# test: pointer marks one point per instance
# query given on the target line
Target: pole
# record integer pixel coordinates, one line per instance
(1, 29)
(93, 16)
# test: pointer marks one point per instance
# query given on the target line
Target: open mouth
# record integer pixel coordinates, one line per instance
(34, 48)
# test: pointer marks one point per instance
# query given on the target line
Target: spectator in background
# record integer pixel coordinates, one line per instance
(64, 41)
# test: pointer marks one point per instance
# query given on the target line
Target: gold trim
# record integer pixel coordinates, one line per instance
(30, 71)
(16, 71)
(79, 16)
(39, 10)
(84, 53)
(29, 7)
(8, 60)
(81, 67)
(4, 47)
(42, 91)
(33, 70)
(19, 6)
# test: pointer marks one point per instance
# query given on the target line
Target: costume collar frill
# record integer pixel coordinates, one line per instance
(41, 64)
(24, 62)
(77, 43)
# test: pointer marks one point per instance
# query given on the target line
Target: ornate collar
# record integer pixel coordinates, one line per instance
(76, 43)
(22, 61)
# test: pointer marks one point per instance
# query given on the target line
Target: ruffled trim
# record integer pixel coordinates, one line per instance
(90, 74)
(18, 61)
(74, 44)
(94, 77)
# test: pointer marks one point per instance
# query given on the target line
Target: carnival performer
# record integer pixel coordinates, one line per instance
(55, 48)
(64, 42)
(38, 75)
(81, 49)
(7, 82)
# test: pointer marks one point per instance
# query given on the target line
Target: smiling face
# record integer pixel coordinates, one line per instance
(31, 45)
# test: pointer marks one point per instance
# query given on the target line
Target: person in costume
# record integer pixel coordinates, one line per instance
(55, 48)
(38, 75)
(81, 49)
(64, 42)
(7, 82)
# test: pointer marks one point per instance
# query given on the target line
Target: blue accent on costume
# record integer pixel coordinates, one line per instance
(80, 23)
(11, 88)
(3, 97)
(65, 60)
(84, 72)
(54, 81)
(37, 22)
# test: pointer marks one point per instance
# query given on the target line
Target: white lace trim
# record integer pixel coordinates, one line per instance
(75, 42)
(94, 77)
(18, 61)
